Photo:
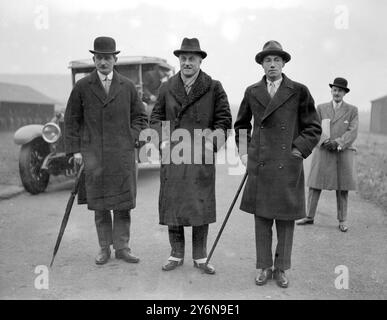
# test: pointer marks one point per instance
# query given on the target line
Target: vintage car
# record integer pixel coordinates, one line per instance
(42, 150)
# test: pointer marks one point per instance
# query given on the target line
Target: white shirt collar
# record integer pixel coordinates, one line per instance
(276, 83)
(337, 105)
(189, 81)
(102, 77)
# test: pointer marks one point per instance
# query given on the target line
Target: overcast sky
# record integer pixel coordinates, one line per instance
(325, 38)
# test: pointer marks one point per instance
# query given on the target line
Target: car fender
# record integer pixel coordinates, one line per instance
(27, 133)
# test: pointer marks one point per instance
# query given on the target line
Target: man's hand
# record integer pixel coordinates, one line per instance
(78, 159)
(244, 159)
(297, 153)
(331, 145)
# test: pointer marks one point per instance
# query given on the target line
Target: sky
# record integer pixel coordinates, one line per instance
(326, 39)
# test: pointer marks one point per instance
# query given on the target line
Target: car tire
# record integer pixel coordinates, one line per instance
(31, 158)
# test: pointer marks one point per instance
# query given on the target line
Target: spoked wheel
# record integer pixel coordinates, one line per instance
(31, 159)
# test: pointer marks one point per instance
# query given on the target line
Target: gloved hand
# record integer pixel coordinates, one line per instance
(244, 160)
(331, 145)
(78, 159)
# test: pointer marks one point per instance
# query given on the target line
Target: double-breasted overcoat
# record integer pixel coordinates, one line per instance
(187, 189)
(275, 183)
(343, 128)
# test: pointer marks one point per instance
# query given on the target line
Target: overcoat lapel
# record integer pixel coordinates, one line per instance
(260, 93)
(284, 92)
(99, 91)
(341, 112)
(96, 86)
(330, 112)
(115, 88)
(201, 86)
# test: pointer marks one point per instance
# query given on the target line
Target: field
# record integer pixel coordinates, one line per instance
(9, 160)
(372, 168)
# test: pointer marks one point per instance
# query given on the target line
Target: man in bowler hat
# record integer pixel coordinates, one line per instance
(103, 119)
(191, 100)
(286, 129)
(333, 166)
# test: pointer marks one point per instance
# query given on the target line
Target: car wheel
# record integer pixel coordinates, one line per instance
(31, 158)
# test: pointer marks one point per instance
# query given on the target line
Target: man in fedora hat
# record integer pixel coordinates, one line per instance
(103, 118)
(191, 101)
(332, 165)
(286, 129)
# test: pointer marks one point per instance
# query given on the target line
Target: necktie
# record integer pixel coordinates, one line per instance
(187, 88)
(106, 85)
(337, 106)
(271, 89)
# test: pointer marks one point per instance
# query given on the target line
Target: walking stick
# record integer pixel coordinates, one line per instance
(227, 216)
(67, 214)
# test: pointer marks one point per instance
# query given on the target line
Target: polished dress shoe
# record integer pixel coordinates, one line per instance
(103, 256)
(280, 278)
(343, 227)
(172, 264)
(263, 276)
(306, 220)
(206, 268)
(125, 255)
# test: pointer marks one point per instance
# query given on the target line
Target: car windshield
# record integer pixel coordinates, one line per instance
(152, 75)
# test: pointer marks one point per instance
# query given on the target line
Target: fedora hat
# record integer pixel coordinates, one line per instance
(272, 47)
(104, 45)
(340, 83)
(190, 46)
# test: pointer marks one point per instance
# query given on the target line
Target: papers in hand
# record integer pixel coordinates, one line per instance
(326, 130)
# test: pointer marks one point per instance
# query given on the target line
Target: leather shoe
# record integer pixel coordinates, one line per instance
(343, 227)
(172, 264)
(206, 268)
(125, 255)
(103, 256)
(306, 220)
(280, 278)
(263, 276)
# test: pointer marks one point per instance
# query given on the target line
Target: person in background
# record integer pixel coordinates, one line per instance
(333, 166)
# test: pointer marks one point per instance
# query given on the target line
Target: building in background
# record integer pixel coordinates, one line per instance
(379, 115)
(21, 105)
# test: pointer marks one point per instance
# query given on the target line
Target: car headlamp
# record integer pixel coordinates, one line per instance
(51, 132)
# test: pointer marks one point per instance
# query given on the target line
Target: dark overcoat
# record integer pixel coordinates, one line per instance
(187, 190)
(343, 128)
(275, 184)
(103, 128)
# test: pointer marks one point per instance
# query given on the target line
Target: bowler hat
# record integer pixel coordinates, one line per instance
(104, 45)
(340, 83)
(190, 46)
(272, 47)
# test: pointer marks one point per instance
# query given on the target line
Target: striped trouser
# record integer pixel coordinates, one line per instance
(263, 243)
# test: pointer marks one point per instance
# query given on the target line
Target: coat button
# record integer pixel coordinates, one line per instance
(261, 163)
(280, 166)
(262, 127)
(282, 127)
(283, 147)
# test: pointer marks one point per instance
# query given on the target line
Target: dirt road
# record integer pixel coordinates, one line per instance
(29, 226)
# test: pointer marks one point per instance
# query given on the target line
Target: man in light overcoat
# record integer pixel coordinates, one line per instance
(103, 119)
(286, 129)
(333, 166)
